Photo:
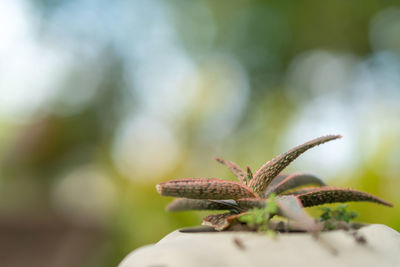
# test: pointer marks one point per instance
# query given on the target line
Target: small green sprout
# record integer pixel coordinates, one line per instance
(340, 213)
(260, 217)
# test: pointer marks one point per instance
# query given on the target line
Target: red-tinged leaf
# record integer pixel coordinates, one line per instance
(235, 169)
(291, 208)
(220, 221)
(293, 181)
(204, 188)
(330, 194)
(182, 204)
(272, 168)
(279, 178)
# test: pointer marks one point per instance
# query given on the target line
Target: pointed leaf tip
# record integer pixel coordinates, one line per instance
(332, 194)
(264, 176)
(219, 160)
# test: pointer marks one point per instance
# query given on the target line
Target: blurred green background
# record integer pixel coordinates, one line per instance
(100, 100)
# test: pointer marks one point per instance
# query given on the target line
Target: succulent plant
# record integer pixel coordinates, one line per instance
(252, 190)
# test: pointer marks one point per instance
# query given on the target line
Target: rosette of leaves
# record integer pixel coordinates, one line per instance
(292, 192)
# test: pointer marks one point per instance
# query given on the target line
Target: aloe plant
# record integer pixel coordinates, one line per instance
(253, 190)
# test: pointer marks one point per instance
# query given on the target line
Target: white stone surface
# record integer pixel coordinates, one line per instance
(290, 249)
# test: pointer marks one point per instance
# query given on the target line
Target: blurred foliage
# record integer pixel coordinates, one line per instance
(339, 214)
(153, 90)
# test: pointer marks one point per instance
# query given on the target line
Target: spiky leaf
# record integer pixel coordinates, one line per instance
(204, 188)
(330, 194)
(279, 178)
(182, 204)
(300, 191)
(293, 181)
(272, 168)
